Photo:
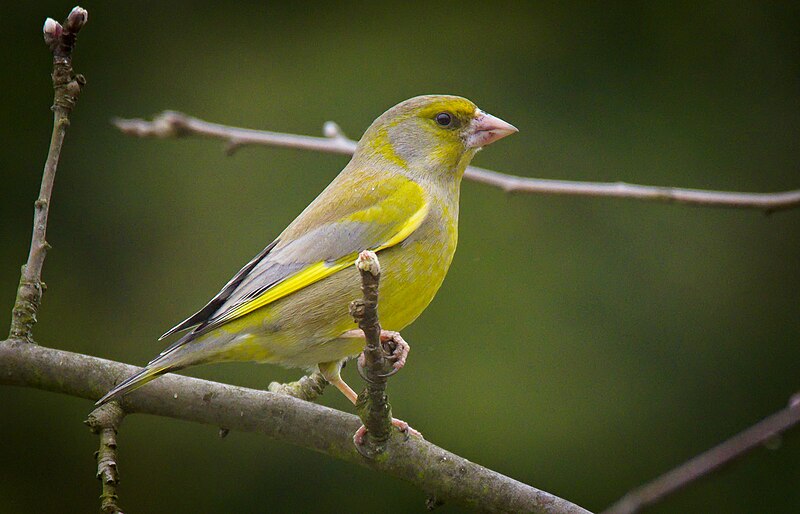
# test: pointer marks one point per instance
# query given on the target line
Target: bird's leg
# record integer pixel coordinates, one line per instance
(332, 373)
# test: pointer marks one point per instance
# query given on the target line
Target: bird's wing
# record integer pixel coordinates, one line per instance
(374, 217)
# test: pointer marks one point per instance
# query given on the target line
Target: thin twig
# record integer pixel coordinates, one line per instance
(105, 421)
(434, 470)
(372, 405)
(709, 461)
(170, 124)
(67, 88)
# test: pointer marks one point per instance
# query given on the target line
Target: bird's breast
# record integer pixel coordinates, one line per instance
(413, 271)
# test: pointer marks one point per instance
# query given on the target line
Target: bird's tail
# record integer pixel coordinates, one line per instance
(173, 358)
(135, 381)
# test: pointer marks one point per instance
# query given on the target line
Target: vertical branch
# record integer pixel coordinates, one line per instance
(67, 86)
(373, 405)
(105, 421)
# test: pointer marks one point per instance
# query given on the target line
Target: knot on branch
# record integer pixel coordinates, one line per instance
(358, 309)
(108, 415)
(332, 130)
(308, 388)
(67, 90)
(165, 125)
(26, 305)
(170, 124)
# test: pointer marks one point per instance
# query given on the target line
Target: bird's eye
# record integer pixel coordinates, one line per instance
(444, 119)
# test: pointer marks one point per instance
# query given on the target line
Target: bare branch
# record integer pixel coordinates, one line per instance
(67, 86)
(170, 124)
(768, 202)
(105, 421)
(372, 405)
(434, 470)
(710, 461)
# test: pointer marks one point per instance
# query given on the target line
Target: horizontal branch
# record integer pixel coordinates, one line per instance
(170, 124)
(444, 475)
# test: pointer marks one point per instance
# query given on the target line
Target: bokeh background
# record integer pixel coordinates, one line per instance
(583, 346)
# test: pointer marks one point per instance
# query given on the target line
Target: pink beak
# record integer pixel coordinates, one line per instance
(486, 129)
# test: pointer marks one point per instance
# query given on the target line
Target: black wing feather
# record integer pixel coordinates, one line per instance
(212, 306)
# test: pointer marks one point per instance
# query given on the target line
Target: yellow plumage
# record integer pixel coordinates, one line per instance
(398, 196)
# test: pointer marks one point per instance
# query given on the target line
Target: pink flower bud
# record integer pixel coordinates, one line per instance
(77, 18)
(52, 31)
(52, 27)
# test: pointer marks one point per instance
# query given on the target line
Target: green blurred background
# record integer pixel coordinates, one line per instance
(580, 345)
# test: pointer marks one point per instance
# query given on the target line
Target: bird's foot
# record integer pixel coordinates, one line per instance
(395, 350)
(402, 426)
(396, 347)
(406, 429)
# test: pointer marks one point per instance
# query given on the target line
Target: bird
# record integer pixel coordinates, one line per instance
(399, 197)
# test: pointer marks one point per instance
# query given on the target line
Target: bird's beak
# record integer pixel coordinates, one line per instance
(486, 129)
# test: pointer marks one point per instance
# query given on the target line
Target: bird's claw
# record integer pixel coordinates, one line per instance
(406, 429)
(395, 348)
(360, 367)
(402, 426)
(358, 438)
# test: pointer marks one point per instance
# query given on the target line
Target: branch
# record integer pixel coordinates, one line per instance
(436, 471)
(307, 388)
(67, 87)
(23, 363)
(372, 405)
(105, 421)
(709, 461)
(170, 124)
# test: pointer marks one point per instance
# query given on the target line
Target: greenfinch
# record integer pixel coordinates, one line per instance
(398, 196)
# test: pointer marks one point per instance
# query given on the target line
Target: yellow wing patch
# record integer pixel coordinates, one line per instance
(290, 284)
(317, 271)
(408, 228)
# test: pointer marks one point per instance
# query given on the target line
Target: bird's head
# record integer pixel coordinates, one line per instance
(432, 134)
